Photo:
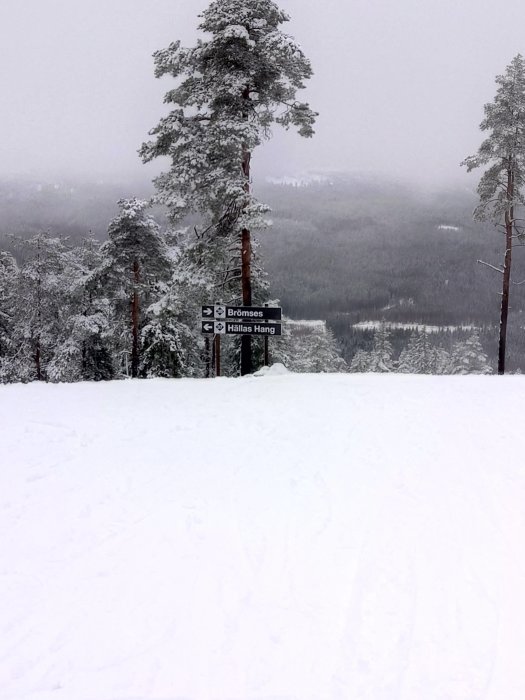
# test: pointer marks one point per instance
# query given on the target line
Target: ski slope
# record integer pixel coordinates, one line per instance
(313, 537)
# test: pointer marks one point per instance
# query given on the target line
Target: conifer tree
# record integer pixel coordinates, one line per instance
(233, 85)
(381, 354)
(443, 361)
(8, 285)
(468, 357)
(408, 362)
(135, 261)
(172, 343)
(361, 362)
(84, 353)
(40, 314)
(501, 188)
(421, 356)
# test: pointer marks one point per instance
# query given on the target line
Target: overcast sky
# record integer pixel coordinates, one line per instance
(400, 86)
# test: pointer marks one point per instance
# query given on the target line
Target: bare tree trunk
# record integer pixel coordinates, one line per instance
(38, 345)
(246, 341)
(38, 361)
(207, 355)
(217, 349)
(246, 263)
(135, 307)
(509, 223)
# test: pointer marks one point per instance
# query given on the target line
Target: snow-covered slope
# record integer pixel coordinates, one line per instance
(276, 537)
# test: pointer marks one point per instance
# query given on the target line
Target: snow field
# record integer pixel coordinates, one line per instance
(278, 537)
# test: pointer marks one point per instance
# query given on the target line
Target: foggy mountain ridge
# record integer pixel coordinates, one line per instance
(345, 247)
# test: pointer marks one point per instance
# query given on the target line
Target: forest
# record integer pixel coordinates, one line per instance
(347, 249)
(350, 250)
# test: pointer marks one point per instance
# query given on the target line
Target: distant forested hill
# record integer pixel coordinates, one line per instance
(342, 248)
(375, 251)
(69, 208)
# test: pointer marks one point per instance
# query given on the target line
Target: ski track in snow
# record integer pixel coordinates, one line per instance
(272, 538)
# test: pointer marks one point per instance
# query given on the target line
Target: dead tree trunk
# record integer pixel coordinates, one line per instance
(505, 295)
(135, 308)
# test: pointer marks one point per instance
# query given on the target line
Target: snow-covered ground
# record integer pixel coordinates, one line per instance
(276, 537)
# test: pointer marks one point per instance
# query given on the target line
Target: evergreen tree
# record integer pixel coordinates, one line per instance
(172, 343)
(40, 315)
(468, 357)
(501, 186)
(421, 356)
(307, 350)
(361, 362)
(443, 361)
(8, 285)
(135, 262)
(408, 362)
(381, 354)
(85, 352)
(233, 86)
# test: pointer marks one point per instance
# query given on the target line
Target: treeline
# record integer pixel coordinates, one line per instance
(369, 250)
(373, 251)
(421, 355)
(127, 307)
(349, 251)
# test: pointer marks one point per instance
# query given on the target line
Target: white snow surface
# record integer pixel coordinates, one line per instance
(297, 537)
(448, 227)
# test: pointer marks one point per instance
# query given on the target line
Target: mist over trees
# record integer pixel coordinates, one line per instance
(412, 260)
(80, 303)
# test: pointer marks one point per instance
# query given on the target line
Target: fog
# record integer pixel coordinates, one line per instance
(400, 87)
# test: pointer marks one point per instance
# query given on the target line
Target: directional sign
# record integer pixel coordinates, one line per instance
(253, 313)
(242, 313)
(241, 328)
(216, 327)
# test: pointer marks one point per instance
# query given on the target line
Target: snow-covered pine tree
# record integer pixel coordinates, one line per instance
(421, 356)
(408, 362)
(308, 349)
(233, 85)
(361, 362)
(135, 263)
(501, 188)
(468, 357)
(40, 314)
(381, 353)
(85, 352)
(8, 285)
(443, 361)
(172, 343)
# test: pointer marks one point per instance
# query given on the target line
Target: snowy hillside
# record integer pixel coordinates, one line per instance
(277, 537)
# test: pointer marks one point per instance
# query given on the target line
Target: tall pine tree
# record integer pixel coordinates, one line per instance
(501, 186)
(233, 85)
(135, 261)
